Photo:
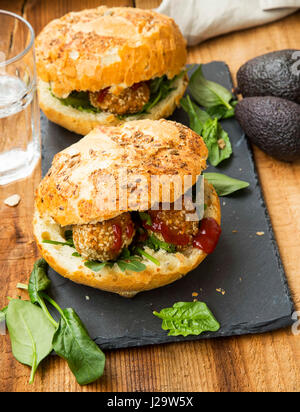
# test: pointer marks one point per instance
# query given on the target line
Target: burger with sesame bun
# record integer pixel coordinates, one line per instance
(102, 227)
(105, 66)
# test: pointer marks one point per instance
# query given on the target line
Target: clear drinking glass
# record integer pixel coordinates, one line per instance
(19, 111)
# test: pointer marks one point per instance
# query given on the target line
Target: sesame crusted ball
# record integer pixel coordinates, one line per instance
(104, 241)
(173, 226)
(129, 101)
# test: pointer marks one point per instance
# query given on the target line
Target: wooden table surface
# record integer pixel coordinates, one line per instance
(269, 362)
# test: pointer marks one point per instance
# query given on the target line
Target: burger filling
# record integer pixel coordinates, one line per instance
(104, 241)
(137, 99)
(129, 101)
(125, 239)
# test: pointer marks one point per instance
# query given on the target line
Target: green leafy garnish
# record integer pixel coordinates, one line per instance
(133, 263)
(69, 240)
(197, 116)
(224, 185)
(72, 343)
(188, 318)
(207, 93)
(160, 87)
(30, 333)
(79, 101)
(214, 136)
(147, 256)
(95, 266)
(217, 142)
(76, 254)
(126, 261)
(145, 217)
(222, 112)
(155, 244)
(54, 242)
(34, 333)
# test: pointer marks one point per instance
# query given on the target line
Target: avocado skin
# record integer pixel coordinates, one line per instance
(273, 124)
(271, 75)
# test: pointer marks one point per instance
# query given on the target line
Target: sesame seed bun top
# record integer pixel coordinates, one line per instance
(97, 48)
(82, 177)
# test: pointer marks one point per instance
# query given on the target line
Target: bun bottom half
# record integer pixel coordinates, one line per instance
(83, 122)
(173, 266)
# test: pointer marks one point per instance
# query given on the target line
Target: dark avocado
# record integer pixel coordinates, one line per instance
(273, 124)
(273, 74)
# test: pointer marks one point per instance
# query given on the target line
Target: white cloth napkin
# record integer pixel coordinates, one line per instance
(202, 19)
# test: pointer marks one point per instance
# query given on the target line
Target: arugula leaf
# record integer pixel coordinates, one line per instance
(95, 266)
(69, 240)
(160, 87)
(223, 184)
(217, 142)
(207, 93)
(79, 101)
(72, 343)
(131, 263)
(188, 318)
(155, 244)
(147, 256)
(125, 262)
(54, 242)
(76, 254)
(145, 217)
(30, 333)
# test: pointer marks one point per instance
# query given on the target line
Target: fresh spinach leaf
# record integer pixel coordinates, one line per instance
(207, 93)
(222, 112)
(30, 333)
(224, 185)
(214, 136)
(72, 342)
(188, 318)
(38, 280)
(197, 116)
(217, 142)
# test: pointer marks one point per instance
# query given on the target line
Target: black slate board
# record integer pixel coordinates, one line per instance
(247, 267)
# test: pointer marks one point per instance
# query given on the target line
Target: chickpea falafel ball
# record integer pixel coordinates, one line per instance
(172, 226)
(104, 241)
(131, 100)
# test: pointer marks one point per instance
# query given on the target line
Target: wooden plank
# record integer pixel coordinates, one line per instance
(147, 4)
(259, 363)
(40, 12)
